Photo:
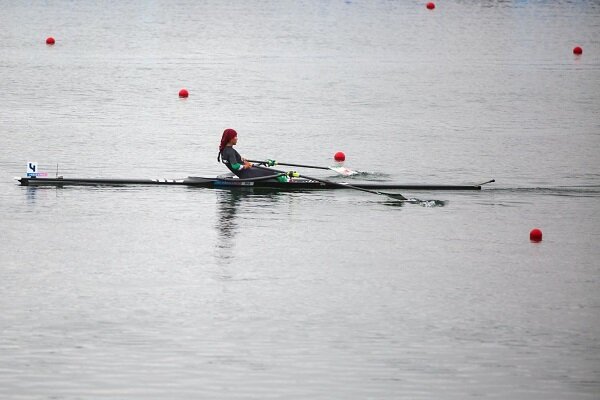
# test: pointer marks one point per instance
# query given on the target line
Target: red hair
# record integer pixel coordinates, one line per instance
(228, 134)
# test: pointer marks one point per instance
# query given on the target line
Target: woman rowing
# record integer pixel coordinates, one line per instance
(239, 165)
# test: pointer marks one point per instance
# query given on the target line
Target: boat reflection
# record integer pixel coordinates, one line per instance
(228, 203)
(39, 195)
(232, 205)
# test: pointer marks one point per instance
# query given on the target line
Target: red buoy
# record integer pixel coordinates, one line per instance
(535, 235)
(339, 157)
(183, 93)
(50, 40)
(577, 50)
(430, 5)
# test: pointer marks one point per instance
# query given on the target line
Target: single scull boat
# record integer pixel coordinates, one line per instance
(228, 182)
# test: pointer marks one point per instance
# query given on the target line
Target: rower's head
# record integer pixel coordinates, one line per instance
(229, 138)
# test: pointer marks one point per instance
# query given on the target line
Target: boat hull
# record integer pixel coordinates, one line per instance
(215, 183)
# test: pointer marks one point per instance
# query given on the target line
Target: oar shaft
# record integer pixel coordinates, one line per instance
(290, 165)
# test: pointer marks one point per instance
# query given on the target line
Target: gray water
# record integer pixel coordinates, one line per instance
(179, 293)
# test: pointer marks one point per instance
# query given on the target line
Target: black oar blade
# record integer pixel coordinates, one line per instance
(396, 196)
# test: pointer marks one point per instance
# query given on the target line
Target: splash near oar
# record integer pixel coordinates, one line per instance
(343, 170)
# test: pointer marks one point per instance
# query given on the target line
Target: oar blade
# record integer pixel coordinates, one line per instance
(395, 196)
(400, 201)
(428, 203)
(343, 171)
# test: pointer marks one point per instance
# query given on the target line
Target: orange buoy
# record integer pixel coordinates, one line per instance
(430, 5)
(183, 93)
(50, 40)
(535, 235)
(577, 50)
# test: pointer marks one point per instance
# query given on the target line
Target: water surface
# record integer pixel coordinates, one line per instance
(172, 292)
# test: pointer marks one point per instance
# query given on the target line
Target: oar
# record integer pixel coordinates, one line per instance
(395, 196)
(287, 164)
(339, 170)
